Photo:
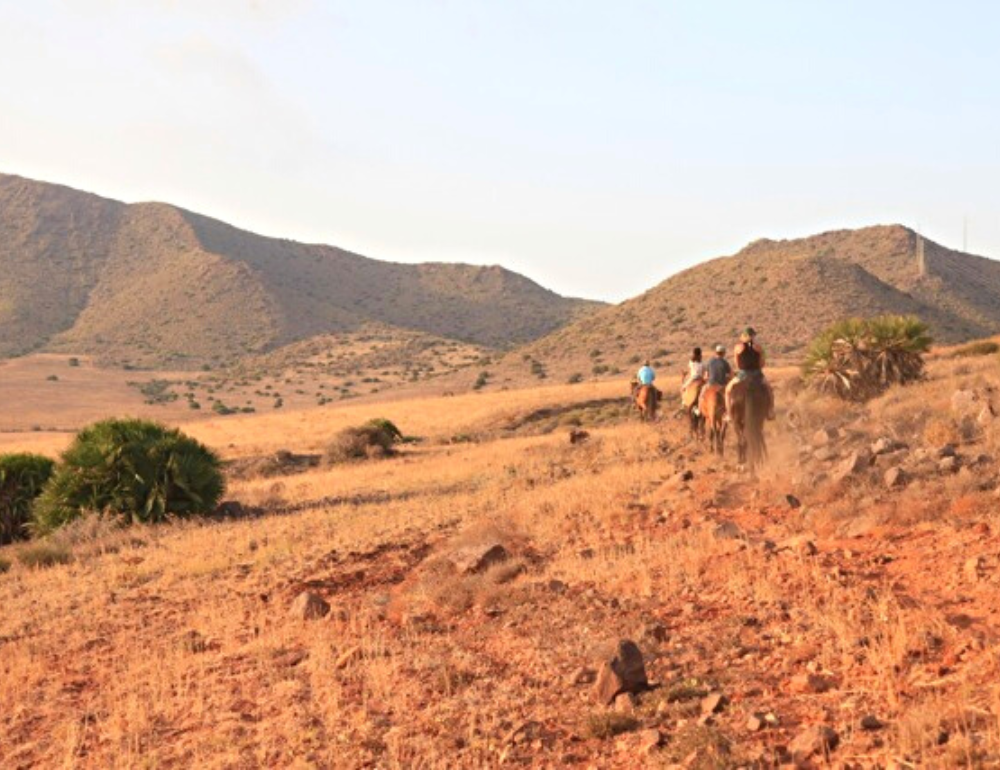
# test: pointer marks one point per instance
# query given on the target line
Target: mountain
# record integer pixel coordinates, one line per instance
(788, 290)
(151, 284)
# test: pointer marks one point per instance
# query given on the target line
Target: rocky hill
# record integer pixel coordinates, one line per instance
(151, 284)
(788, 290)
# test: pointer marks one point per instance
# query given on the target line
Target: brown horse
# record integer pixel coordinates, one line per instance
(750, 401)
(712, 406)
(647, 399)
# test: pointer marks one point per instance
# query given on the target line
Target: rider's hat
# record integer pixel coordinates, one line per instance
(720, 348)
(748, 334)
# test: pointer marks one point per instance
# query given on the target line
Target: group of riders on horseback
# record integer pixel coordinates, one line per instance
(715, 393)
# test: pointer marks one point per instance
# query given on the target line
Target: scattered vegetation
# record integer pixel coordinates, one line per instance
(858, 359)
(376, 438)
(22, 477)
(137, 470)
(980, 348)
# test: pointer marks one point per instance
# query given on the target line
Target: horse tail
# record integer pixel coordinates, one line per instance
(756, 411)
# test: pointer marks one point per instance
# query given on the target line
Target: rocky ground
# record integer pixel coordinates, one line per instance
(624, 599)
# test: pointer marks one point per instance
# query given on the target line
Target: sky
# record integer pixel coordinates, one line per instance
(597, 147)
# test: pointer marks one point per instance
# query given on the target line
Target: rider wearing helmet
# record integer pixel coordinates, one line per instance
(749, 358)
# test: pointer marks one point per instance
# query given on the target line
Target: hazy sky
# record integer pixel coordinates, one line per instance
(597, 147)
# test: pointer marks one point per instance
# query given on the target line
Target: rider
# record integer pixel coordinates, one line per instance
(645, 375)
(749, 357)
(717, 370)
(696, 370)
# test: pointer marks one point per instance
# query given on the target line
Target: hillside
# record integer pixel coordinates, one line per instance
(151, 284)
(465, 599)
(788, 290)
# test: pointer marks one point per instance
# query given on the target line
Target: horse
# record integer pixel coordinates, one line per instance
(689, 402)
(750, 401)
(712, 406)
(646, 399)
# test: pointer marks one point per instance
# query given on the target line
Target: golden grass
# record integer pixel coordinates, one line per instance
(172, 646)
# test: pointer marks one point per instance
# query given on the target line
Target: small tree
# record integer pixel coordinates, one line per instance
(22, 477)
(135, 469)
(857, 359)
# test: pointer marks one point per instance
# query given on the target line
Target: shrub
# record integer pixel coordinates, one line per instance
(4, 565)
(22, 477)
(44, 554)
(373, 439)
(857, 359)
(575, 378)
(74, 361)
(137, 470)
(981, 348)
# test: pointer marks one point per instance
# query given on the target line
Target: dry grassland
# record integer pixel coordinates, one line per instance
(174, 647)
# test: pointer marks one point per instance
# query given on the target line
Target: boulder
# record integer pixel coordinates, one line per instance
(947, 464)
(713, 703)
(650, 740)
(793, 501)
(895, 477)
(473, 559)
(728, 530)
(853, 464)
(812, 683)
(965, 402)
(871, 722)
(813, 741)
(823, 454)
(577, 436)
(824, 437)
(986, 415)
(309, 606)
(885, 445)
(624, 671)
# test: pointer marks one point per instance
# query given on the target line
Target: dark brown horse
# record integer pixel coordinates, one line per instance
(712, 406)
(647, 399)
(750, 402)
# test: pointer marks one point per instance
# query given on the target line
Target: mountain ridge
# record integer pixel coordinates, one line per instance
(155, 284)
(789, 290)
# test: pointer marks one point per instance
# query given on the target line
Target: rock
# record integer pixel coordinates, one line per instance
(986, 415)
(577, 436)
(871, 722)
(801, 545)
(473, 559)
(686, 475)
(947, 464)
(853, 464)
(973, 566)
(824, 453)
(813, 741)
(824, 437)
(308, 606)
(713, 703)
(626, 703)
(895, 477)
(655, 631)
(812, 683)
(230, 509)
(965, 401)
(793, 501)
(650, 740)
(885, 446)
(582, 676)
(756, 722)
(728, 530)
(622, 672)
(948, 450)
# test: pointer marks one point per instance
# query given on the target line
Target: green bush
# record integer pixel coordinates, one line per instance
(859, 358)
(22, 477)
(136, 470)
(372, 440)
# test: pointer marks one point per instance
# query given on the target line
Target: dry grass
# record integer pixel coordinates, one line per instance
(172, 646)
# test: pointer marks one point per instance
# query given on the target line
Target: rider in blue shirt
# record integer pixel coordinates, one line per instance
(646, 374)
